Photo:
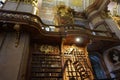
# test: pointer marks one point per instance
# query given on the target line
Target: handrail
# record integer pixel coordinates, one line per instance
(24, 18)
(35, 22)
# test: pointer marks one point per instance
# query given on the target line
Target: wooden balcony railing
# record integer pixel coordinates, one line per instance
(33, 21)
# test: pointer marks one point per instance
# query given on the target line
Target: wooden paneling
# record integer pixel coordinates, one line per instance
(11, 58)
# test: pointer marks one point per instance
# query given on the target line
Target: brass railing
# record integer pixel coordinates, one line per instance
(35, 22)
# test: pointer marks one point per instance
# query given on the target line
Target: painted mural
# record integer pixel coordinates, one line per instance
(73, 50)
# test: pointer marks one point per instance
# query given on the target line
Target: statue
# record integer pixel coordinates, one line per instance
(64, 15)
(114, 55)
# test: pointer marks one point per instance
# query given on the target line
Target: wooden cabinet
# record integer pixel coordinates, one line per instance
(46, 66)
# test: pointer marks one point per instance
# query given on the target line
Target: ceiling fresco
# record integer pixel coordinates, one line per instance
(47, 9)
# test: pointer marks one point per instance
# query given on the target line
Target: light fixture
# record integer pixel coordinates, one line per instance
(79, 39)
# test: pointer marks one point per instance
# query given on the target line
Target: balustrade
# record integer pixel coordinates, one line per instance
(35, 22)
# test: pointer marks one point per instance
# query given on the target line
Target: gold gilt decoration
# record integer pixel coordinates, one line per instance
(48, 0)
(117, 20)
(76, 63)
(49, 49)
(17, 28)
(64, 15)
(77, 3)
